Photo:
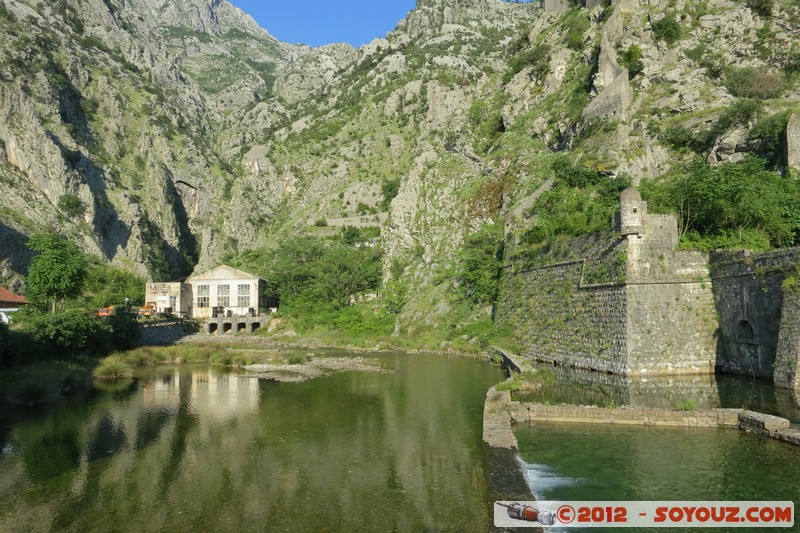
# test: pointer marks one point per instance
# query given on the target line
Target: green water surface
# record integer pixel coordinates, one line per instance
(612, 463)
(203, 449)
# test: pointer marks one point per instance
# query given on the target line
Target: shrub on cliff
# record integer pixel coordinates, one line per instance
(750, 82)
(667, 29)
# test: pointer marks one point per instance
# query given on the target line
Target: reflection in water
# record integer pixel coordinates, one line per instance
(109, 438)
(202, 449)
(584, 387)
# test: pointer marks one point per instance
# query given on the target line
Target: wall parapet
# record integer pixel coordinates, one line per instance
(637, 416)
(750, 421)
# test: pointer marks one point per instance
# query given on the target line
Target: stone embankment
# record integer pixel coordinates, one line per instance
(627, 416)
(769, 426)
(765, 425)
(163, 333)
(504, 477)
(497, 420)
(750, 421)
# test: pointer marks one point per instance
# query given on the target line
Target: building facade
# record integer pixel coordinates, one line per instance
(226, 291)
(170, 298)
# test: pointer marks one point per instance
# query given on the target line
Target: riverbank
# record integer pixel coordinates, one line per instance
(310, 367)
(308, 343)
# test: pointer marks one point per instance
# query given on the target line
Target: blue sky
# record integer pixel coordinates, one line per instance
(318, 22)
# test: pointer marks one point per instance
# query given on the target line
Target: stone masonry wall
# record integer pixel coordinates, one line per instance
(613, 102)
(749, 298)
(627, 305)
(787, 357)
(670, 328)
(671, 319)
(559, 317)
(164, 333)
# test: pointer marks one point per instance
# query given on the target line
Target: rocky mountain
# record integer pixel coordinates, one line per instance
(166, 135)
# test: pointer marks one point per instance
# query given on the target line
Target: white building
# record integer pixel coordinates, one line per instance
(170, 298)
(226, 290)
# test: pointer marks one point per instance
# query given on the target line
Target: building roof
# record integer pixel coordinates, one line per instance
(6, 296)
(222, 272)
(630, 194)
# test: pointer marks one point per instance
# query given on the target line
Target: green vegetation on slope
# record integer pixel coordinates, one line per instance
(734, 205)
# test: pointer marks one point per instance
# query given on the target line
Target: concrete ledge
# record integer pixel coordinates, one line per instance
(504, 477)
(768, 426)
(512, 362)
(497, 430)
(762, 421)
(750, 421)
(791, 435)
(630, 416)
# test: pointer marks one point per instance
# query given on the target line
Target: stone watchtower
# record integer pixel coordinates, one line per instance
(632, 211)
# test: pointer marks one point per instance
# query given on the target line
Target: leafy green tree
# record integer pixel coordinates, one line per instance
(57, 273)
(351, 235)
(480, 260)
(106, 285)
(69, 334)
(395, 296)
(307, 274)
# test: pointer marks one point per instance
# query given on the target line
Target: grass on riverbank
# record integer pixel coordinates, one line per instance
(113, 368)
(233, 355)
(360, 327)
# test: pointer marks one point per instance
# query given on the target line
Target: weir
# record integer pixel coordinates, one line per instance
(236, 324)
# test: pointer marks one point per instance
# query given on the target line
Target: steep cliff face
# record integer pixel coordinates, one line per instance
(187, 132)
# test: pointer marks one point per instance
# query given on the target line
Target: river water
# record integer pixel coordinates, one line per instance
(597, 462)
(594, 462)
(195, 448)
(198, 448)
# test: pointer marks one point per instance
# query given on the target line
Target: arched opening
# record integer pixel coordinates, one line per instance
(255, 325)
(226, 327)
(744, 331)
(241, 326)
(212, 328)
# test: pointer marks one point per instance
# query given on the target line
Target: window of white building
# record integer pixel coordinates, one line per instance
(224, 295)
(244, 295)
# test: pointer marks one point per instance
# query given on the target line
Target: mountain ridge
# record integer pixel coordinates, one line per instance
(188, 134)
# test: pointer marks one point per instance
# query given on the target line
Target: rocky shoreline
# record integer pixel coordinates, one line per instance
(314, 368)
(269, 343)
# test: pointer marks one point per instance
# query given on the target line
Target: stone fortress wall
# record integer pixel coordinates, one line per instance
(629, 303)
